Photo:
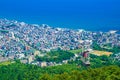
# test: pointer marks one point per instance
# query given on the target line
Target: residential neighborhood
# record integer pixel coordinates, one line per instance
(19, 40)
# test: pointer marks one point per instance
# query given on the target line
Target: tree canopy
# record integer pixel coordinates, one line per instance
(18, 71)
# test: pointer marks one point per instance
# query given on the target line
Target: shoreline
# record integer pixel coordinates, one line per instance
(63, 27)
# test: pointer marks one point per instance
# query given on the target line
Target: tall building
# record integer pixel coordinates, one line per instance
(86, 57)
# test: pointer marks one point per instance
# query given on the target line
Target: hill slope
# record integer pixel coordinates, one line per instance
(18, 71)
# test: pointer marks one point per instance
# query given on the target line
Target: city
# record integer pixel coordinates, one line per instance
(19, 40)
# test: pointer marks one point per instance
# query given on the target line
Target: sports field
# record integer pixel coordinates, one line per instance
(100, 53)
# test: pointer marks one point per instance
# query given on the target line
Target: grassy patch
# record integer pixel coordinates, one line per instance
(76, 51)
(5, 63)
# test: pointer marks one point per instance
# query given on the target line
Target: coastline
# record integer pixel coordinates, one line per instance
(60, 25)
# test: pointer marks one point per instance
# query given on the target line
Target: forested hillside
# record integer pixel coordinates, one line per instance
(18, 71)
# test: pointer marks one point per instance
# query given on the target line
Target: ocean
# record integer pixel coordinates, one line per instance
(93, 15)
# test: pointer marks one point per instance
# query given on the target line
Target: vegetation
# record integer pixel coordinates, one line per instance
(5, 63)
(99, 61)
(18, 71)
(101, 68)
(4, 31)
(104, 73)
(76, 51)
(56, 56)
(115, 49)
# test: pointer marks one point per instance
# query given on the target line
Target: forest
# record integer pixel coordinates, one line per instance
(19, 71)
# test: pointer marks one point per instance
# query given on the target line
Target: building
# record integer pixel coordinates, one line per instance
(43, 64)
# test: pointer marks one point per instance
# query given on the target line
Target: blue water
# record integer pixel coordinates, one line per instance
(95, 15)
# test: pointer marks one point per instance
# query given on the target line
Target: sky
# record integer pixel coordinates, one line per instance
(87, 14)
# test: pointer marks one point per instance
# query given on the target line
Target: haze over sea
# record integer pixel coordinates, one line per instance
(94, 15)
